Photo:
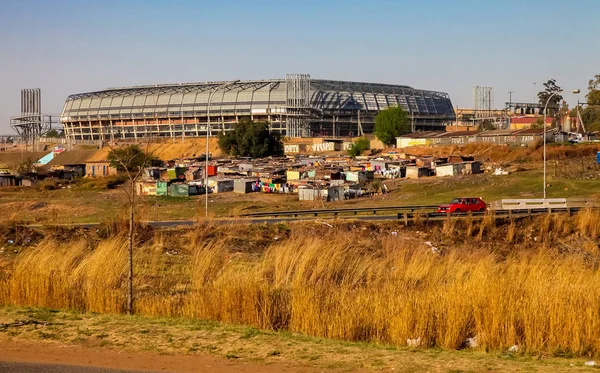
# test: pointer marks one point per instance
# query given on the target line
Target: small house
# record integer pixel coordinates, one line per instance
(331, 193)
(360, 177)
(99, 169)
(424, 162)
(145, 188)
(310, 194)
(335, 193)
(473, 167)
(175, 173)
(194, 173)
(162, 188)
(414, 172)
(213, 170)
(450, 169)
(243, 186)
(183, 190)
(220, 185)
(152, 173)
(379, 165)
(28, 182)
(8, 180)
(292, 175)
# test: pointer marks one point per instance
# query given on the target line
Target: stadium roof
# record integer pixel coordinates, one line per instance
(316, 84)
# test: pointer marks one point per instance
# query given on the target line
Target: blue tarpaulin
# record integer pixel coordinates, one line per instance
(47, 158)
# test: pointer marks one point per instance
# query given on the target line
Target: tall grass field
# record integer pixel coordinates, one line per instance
(531, 283)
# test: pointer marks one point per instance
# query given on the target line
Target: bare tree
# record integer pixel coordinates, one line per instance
(132, 161)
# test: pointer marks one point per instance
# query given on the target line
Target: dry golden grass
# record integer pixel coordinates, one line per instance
(506, 285)
(504, 153)
(167, 149)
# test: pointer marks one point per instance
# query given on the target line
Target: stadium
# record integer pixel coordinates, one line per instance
(296, 106)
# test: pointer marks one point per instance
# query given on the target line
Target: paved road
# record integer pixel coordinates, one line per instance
(10, 367)
(187, 223)
(500, 214)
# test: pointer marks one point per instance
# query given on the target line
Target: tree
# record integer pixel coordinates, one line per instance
(594, 84)
(359, 146)
(28, 166)
(590, 115)
(564, 108)
(132, 161)
(486, 125)
(251, 139)
(551, 88)
(593, 127)
(391, 123)
(539, 123)
(53, 133)
(593, 97)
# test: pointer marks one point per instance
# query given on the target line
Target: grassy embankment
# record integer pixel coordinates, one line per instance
(186, 337)
(534, 284)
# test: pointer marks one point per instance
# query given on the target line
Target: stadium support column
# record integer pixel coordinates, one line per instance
(360, 129)
(333, 125)
(297, 94)
(101, 128)
(112, 132)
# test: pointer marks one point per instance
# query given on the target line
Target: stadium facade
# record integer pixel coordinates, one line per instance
(296, 106)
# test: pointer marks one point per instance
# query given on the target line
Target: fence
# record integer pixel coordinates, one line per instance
(540, 203)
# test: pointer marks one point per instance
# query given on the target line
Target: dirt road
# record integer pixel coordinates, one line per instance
(10, 367)
(30, 354)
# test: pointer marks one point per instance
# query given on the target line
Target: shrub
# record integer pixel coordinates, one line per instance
(251, 139)
(359, 146)
(391, 123)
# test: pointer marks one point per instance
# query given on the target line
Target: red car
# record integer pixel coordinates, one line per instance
(463, 205)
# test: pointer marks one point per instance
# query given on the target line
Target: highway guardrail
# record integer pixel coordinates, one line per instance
(339, 211)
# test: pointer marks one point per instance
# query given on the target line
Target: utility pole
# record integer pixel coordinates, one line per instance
(333, 129)
(360, 130)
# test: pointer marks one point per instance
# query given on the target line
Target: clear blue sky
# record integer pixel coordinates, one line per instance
(66, 47)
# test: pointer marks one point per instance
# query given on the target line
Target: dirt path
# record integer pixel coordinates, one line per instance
(56, 353)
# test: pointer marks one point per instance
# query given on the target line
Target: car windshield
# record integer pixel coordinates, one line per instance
(455, 201)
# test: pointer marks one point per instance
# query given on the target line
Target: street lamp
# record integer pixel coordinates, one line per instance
(210, 96)
(574, 91)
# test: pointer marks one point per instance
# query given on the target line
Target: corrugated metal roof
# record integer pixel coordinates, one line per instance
(79, 156)
(16, 158)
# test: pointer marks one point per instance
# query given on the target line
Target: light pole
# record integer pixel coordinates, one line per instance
(210, 96)
(575, 91)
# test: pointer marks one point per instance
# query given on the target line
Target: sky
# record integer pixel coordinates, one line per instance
(73, 46)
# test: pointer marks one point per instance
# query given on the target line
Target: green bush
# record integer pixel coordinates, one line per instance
(359, 146)
(100, 183)
(391, 123)
(251, 139)
(48, 184)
